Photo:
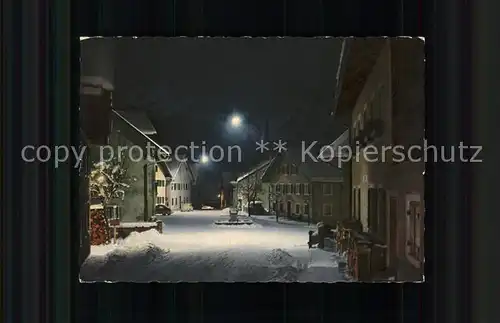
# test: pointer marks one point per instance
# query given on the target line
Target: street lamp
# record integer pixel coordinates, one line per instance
(204, 159)
(236, 121)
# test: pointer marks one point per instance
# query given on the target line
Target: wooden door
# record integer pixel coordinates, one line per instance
(393, 237)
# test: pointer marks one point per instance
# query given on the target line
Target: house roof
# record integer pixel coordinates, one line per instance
(358, 57)
(175, 165)
(129, 130)
(263, 165)
(307, 166)
(139, 119)
(334, 147)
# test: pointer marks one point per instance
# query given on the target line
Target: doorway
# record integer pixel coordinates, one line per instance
(289, 209)
(393, 223)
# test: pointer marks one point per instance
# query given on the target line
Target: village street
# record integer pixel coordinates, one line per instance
(193, 249)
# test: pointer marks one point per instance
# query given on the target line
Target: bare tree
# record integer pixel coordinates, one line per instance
(250, 188)
(274, 198)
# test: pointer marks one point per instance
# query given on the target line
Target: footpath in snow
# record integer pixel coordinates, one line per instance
(193, 249)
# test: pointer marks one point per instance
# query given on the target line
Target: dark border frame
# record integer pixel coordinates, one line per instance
(39, 48)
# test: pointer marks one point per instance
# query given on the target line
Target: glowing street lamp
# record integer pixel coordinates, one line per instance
(204, 159)
(236, 121)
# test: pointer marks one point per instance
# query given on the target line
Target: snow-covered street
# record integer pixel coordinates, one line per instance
(193, 249)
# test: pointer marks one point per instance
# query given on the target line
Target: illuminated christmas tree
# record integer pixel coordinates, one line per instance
(108, 180)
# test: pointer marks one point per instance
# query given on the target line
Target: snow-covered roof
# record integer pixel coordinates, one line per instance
(314, 170)
(99, 206)
(263, 165)
(174, 166)
(139, 119)
(138, 137)
(342, 140)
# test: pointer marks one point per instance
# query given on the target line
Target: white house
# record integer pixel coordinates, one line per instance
(161, 187)
(179, 190)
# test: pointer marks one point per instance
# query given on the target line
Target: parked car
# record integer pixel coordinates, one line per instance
(162, 209)
(233, 211)
(207, 207)
(186, 207)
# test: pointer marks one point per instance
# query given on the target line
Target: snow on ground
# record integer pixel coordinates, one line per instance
(193, 249)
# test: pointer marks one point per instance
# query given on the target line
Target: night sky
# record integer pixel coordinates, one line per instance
(189, 87)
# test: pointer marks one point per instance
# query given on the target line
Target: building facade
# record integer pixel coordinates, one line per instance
(249, 187)
(178, 192)
(387, 114)
(128, 142)
(306, 190)
(161, 187)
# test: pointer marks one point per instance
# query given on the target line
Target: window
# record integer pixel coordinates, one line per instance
(173, 201)
(160, 183)
(353, 203)
(284, 169)
(156, 168)
(372, 210)
(288, 188)
(297, 208)
(327, 189)
(277, 188)
(292, 189)
(306, 208)
(307, 188)
(301, 188)
(414, 227)
(380, 102)
(358, 204)
(376, 104)
(327, 210)
(364, 115)
(172, 187)
(297, 189)
(382, 214)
